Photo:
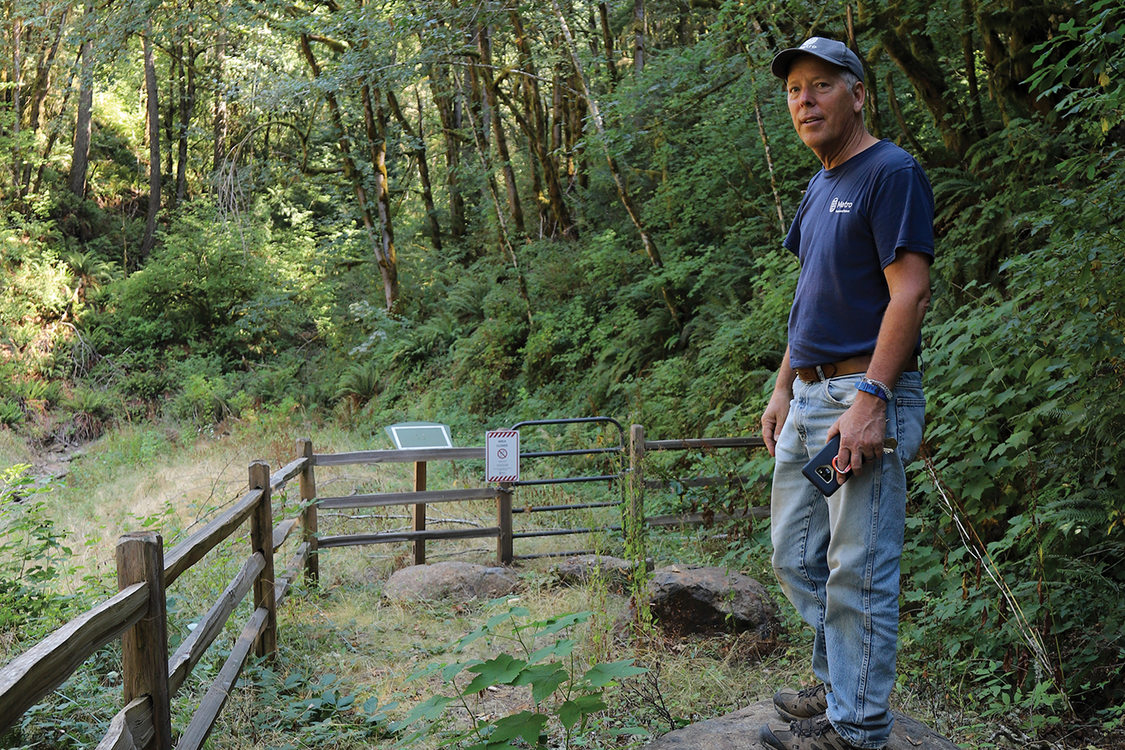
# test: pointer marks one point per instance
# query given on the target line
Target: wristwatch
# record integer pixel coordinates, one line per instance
(875, 388)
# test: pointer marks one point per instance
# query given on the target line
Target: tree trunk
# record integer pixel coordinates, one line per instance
(80, 160)
(534, 125)
(153, 143)
(444, 102)
(376, 123)
(17, 107)
(915, 55)
(43, 69)
(418, 140)
(499, 137)
(390, 282)
(607, 40)
(187, 108)
(501, 225)
(175, 70)
(638, 36)
(219, 115)
(968, 56)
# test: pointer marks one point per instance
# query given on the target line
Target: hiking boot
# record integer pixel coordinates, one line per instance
(807, 734)
(805, 703)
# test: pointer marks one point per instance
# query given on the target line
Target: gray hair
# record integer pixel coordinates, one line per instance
(849, 78)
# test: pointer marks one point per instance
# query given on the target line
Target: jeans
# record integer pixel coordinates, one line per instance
(837, 558)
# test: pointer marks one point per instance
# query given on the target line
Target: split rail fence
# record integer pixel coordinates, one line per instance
(137, 614)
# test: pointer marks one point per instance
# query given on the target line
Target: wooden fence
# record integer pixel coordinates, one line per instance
(137, 613)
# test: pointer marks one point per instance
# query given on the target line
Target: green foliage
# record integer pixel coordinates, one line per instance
(32, 554)
(310, 711)
(196, 287)
(1023, 366)
(1082, 63)
(566, 695)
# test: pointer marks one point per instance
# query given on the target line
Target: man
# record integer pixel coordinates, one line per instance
(864, 237)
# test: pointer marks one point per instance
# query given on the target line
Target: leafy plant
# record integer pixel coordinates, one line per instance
(32, 553)
(565, 695)
(314, 711)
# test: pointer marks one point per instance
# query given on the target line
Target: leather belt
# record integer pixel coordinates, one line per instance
(850, 366)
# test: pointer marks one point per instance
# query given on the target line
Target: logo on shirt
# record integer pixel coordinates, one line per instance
(840, 207)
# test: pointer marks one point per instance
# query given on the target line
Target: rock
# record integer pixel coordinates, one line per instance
(449, 580)
(691, 599)
(579, 569)
(739, 731)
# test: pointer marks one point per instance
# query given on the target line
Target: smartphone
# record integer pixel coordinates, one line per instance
(819, 470)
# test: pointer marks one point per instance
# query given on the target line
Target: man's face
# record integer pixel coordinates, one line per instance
(823, 106)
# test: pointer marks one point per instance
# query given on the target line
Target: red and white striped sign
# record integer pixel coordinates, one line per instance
(502, 456)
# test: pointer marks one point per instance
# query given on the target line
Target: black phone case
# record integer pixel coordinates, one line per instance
(819, 470)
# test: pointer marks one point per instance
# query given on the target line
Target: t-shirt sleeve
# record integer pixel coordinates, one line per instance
(902, 214)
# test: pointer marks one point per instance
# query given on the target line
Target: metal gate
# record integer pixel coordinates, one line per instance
(622, 466)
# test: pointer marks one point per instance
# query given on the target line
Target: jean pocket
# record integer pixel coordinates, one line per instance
(910, 418)
(841, 391)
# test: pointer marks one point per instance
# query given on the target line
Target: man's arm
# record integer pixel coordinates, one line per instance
(863, 425)
(773, 418)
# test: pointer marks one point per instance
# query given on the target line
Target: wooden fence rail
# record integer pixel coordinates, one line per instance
(137, 613)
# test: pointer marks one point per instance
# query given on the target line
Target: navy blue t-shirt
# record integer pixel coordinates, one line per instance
(850, 225)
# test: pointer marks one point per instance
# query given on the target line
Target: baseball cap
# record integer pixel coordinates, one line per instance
(828, 50)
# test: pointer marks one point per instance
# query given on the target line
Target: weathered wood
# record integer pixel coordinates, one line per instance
(406, 456)
(310, 523)
(504, 522)
(405, 536)
(282, 531)
(191, 550)
(294, 468)
(193, 647)
(48, 663)
(144, 646)
(131, 728)
(419, 512)
(261, 542)
(297, 563)
(212, 704)
(704, 443)
(384, 499)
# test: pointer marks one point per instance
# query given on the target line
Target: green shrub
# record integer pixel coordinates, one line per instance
(202, 401)
(11, 414)
(32, 555)
(195, 287)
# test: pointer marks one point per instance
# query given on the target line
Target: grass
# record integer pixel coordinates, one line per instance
(347, 640)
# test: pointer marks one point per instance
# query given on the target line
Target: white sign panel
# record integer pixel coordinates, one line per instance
(502, 456)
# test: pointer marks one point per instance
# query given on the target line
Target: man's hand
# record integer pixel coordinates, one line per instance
(861, 429)
(773, 418)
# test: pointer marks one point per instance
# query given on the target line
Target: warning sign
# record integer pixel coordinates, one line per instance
(502, 456)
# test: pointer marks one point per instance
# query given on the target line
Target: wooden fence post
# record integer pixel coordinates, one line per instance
(310, 524)
(419, 512)
(144, 647)
(261, 540)
(504, 555)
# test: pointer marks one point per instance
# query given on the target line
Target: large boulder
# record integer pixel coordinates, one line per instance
(739, 731)
(449, 580)
(694, 599)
